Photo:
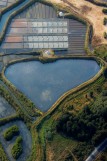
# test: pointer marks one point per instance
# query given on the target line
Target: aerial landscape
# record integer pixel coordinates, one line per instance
(53, 80)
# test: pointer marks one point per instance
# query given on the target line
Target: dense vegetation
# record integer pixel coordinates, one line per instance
(17, 148)
(89, 125)
(11, 132)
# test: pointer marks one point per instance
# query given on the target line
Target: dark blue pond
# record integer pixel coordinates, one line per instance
(45, 83)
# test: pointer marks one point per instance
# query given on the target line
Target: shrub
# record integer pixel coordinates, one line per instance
(49, 135)
(17, 148)
(105, 21)
(104, 11)
(99, 89)
(104, 98)
(99, 137)
(11, 132)
(91, 94)
(105, 73)
(105, 35)
(71, 107)
(104, 93)
(81, 150)
(101, 51)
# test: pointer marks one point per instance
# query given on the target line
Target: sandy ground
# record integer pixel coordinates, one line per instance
(91, 12)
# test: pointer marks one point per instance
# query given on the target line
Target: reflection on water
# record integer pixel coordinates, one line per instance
(45, 83)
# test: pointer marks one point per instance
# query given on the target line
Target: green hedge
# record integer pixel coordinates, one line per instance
(17, 148)
(11, 132)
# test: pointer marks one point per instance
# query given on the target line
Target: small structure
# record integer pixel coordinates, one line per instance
(48, 53)
(61, 14)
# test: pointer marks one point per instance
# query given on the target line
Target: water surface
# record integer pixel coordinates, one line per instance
(45, 83)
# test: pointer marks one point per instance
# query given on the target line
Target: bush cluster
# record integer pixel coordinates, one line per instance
(105, 35)
(105, 21)
(11, 132)
(89, 125)
(104, 11)
(101, 51)
(17, 148)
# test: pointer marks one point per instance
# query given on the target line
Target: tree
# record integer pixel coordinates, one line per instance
(99, 137)
(105, 73)
(86, 110)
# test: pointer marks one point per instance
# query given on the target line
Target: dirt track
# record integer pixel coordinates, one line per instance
(93, 13)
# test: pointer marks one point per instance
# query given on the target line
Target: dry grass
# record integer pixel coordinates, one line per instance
(85, 9)
(96, 40)
(60, 148)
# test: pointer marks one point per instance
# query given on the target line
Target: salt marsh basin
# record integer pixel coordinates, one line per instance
(45, 83)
